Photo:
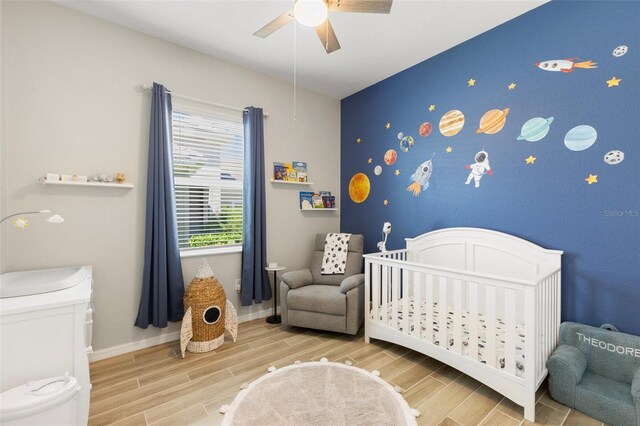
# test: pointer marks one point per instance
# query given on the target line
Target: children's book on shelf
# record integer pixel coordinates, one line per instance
(317, 201)
(301, 170)
(306, 200)
(324, 193)
(291, 172)
(279, 171)
(329, 201)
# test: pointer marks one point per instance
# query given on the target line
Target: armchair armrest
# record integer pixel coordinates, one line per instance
(635, 390)
(295, 279)
(351, 282)
(568, 362)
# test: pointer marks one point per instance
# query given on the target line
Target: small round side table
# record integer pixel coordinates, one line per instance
(275, 318)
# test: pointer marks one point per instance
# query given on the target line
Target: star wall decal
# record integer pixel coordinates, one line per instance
(449, 149)
(388, 126)
(512, 86)
(471, 82)
(531, 159)
(614, 81)
(369, 160)
(592, 179)
(397, 172)
(358, 140)
(432, 107)
(386, 202)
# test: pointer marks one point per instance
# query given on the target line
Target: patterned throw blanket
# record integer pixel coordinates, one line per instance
(336, 247)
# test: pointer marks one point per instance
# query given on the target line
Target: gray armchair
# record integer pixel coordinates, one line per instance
(325, 302)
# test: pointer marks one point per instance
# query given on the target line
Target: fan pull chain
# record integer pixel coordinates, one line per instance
(295, 68)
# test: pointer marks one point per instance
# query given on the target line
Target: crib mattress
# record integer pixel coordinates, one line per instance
(434, 329)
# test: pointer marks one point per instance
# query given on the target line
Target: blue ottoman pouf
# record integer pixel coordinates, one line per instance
(597, 371)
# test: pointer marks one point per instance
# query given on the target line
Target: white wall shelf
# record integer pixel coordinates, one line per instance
(319, 210)
(101, 184)
(286, 182)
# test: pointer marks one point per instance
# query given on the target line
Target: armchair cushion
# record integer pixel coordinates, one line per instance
(295, 279)
(567, 362)
(326, 299)
(352, 282)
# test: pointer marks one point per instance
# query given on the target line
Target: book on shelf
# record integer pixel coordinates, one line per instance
(306, 200)
(325, 193)
(329, 201)
(279, 171)
(301, 171)
(317, 201)
(291, 175)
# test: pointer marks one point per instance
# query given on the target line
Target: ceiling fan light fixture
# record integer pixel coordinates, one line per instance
(310, 13)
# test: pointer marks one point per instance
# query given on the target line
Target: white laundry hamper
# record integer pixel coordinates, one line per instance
(51, 401)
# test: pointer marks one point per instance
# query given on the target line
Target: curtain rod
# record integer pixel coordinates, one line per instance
(147, 88)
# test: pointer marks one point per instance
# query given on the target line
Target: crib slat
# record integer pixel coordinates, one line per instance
(490, 322)
(385, 295)
(417, 304)
(395, 279)
(405, 301)
(510, 331)
(472, 320)
(429, 309)
(375, 292)
(442, 313)
(457, 316)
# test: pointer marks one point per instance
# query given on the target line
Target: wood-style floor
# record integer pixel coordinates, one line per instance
(154, 386)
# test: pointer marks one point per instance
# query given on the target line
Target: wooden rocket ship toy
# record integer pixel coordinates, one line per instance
(208, 314)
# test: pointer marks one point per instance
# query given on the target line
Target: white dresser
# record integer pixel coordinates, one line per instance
(46, 335)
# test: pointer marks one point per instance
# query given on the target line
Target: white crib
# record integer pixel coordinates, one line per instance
(481, 301)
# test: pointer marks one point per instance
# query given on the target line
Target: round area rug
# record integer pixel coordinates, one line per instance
(319, 393)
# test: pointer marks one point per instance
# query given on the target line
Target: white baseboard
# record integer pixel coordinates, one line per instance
(164, 338)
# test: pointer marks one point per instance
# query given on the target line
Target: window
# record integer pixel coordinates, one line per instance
(207, 169)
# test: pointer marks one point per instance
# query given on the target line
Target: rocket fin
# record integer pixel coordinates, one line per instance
(186, 331)
(567, 70)
(231, 320)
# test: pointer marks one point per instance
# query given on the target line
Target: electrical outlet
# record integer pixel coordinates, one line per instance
(238, 285)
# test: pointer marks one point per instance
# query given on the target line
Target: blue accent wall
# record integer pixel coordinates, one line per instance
(548, 201)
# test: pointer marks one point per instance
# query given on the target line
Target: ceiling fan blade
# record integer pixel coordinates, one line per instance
(275, 25)
(327, 36)
(360, 6)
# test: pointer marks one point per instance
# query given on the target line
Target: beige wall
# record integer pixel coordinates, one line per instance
(72, 106)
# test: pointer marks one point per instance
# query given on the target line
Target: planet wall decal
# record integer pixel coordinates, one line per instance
(390, 157)
(535, 129)
(406, 142)
(493, 121)
(425, 129)
(359, 187)
(451, 123)
(580, 138)
(377, 170)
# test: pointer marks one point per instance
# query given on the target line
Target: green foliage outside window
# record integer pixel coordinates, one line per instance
(225, 227)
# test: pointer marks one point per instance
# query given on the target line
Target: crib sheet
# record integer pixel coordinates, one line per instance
(482, 337)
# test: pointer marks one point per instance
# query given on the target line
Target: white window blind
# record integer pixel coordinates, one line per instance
(207, 168)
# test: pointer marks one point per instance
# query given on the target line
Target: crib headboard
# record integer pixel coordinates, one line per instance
(482, 250)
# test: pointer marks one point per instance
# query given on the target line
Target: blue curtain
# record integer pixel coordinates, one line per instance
(162, 284)
(255, 281)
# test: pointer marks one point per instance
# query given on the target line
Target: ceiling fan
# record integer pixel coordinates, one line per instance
(314, 13)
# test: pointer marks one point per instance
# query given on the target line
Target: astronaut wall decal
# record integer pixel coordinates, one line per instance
(479, 168)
